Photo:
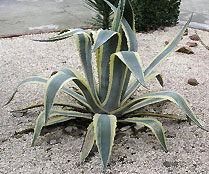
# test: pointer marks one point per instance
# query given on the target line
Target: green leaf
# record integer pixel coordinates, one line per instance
(103, 54)
(83, 42)
(134, 85)
(129, 15)
(118, 16)
(103, 36)
(152, 114)
(75, 106)
(76, 96)
(35, 79)
(129, 41)
(104, 131)
(155, 62)
(63, 116)
(153, 124)
(88, 143)
(86, 90)
(127, 60)
(43, 81)
(139, 105)
(175, 98)
(54, 84)
(134, 64)
(57, 81)
(117, 74)
(40, 121)
(65, 35)
(161, 55)
(128, 30)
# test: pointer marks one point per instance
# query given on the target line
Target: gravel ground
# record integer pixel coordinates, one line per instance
(57, 152)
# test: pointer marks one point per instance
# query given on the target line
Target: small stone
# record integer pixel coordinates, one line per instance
(70, 129)
(194, 37)
(18, 114)
(185, 50)
(166, 42)
(191, 44)
(167, 164)
(52, 142)
(74, 131)
(186, 32)
(170, 164)
(170, 134)
(48, 149)
(193, 82)
(138, 127)
(126, 130)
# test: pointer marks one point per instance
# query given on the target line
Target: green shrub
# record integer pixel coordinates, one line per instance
(152, 14)
(106, 104)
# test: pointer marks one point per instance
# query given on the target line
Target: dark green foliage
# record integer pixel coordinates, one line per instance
(103, 18)
(152, 14)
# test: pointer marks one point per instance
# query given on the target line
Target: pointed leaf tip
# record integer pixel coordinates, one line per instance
(104, 130)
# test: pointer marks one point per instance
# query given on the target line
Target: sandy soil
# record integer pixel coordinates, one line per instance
(57, 152)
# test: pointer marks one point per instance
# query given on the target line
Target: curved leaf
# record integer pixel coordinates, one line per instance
(103, 36)
(155, 62)
(104, 131)
(134, 85)
(161, 55)
(86, 90)
(75, 106)
(127, 60)
(54, 84)
(172, 116)
(153, 124)
(35, 79)
(134, 63)
(173, 97)
(63, 116)
(129, 41)
(40, 121)
(77, 97)
(118, 15)
(103, 54)
(43, 81)
(65, 35)
(57, 81)
(129, 15)
(83, 42)
(139, 105)
(128, 30)
(117, 74)
(88, 143)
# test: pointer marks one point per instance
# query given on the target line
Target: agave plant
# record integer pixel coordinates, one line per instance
(107, 102)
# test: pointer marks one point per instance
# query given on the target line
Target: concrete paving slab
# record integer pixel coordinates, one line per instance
(23, 16)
